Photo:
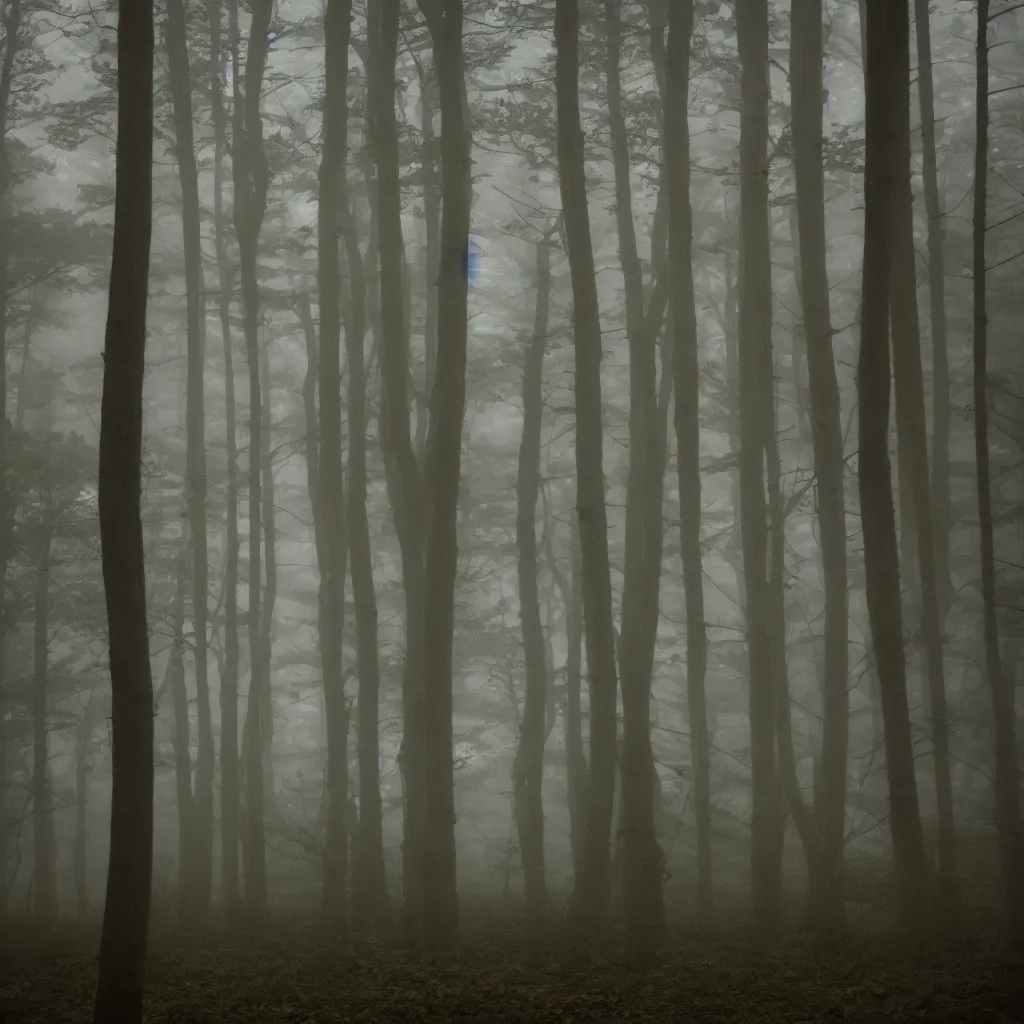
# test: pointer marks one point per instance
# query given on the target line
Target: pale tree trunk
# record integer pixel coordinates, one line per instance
(910, 422)
(404, 481)
(444, 456)
(432, 219)
(181, 94)
(330, 494)
(44, 841)
(642, 856)
(1007, 768)
(755, 385)
(881, 559)
(528, 768)
(826, 905)
(270, 585)
(940, 491)
(175, 682)
(590, 896)
(229, 767)
(81, 850)
(122, 957)
(251, 179)
(683, 319)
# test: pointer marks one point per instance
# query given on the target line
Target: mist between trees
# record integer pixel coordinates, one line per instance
(549, 465)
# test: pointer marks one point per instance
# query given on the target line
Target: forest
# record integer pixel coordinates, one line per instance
(511, 510)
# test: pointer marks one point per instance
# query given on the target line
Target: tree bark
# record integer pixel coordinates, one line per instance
(756, 418)
(910, 421)
(330, 492)
(1006, 782)
(589, 904)
(44, 840)
(940, 491)
(806, 55)
(881, 557)
(528, 768)
(251, 179)
(122, 956)
(444, 456)
(683, 320)
(405, 483)
(229, 767)
(181, 95)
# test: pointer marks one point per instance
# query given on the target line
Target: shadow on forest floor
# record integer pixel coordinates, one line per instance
(294, 974)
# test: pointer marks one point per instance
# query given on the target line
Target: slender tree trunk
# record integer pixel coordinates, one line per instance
(432, 219)
(181, 94)
(175, 679)
(826, 907)
(251, 179)
(940, 492)
(684, 367)
(229, 768)
(590, 896)
(405, 484)
(642, 856)
(269, 601)
(444, 456)
(1006, 781)
(122, 958)
(337, 27)
(910, 420)
(755, 373)
(577, 770)
(528, 769)
(81, 851)
(875, 474)
(11, 15)
(44, 840)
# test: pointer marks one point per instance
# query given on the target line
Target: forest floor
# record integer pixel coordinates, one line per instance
(294, 975)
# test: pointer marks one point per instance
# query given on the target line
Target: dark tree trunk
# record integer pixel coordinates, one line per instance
(826, 905)
(528, 769)
(910, 422)
(330, 493)
(195, 487)
(444, 457)
(229, 767)
(642, 856)
(432, 221)
(1007, 768)
(590, 896)
(44, 840)
(683, 320)
(182, 742)
(251, 179)
(577, 770)
(881, 557)
(940, 492)
(122, 958)
(756, 419)
(404, 481)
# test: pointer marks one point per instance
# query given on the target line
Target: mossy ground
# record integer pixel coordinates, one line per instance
(296, 974)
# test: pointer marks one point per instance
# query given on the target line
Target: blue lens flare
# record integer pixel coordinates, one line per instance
(470, 260)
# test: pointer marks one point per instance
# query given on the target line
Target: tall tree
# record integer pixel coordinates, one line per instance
(591, 889)
(195, 426)
(756, 422)
(683, 321)
(910, 422)
(229, 767)
(881, 558)
(251, 179)
(940, 492)
(642, 857)
(405, 484)
(443, 470)
(122, 957)
(1006, 780)
(528, 770)
(330, 495)
(827, 438)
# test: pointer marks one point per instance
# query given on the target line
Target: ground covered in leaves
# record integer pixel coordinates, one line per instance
(294, 974)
